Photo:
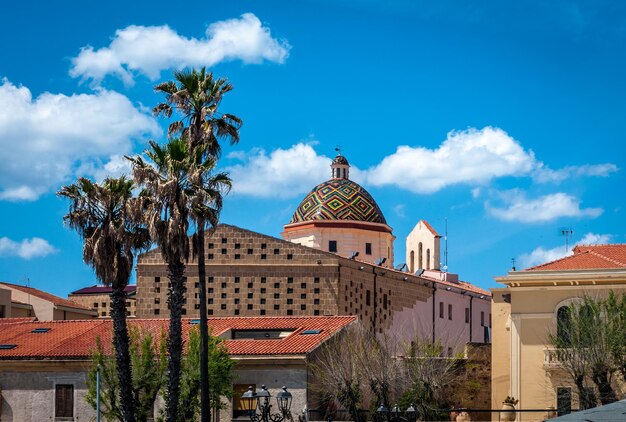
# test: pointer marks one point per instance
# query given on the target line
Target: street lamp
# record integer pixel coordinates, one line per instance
(396, 414)
(253, 401)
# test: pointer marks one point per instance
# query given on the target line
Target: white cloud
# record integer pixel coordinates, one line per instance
(26, 249)
(472, 156)
(44, 140)
(150, 49)
(284, 173)
(517, 207)
(542, 255)
(544, 175)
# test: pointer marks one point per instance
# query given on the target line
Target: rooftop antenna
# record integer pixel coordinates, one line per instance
(567, 232)
(445, 253)
(513, 267)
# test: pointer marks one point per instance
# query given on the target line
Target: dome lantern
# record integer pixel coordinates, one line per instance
(340, 167)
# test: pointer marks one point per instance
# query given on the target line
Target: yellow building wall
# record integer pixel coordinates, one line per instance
(520, 341)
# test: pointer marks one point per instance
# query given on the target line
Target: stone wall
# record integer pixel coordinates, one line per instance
(472, 389)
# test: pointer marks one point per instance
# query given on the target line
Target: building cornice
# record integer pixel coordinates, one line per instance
(561, 278)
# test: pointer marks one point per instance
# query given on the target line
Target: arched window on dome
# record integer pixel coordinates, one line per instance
(428, 259)
(419, 256)
(412, 262)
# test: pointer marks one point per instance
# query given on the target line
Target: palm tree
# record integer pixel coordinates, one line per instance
(108, 219)
(177, 181)
(196, 95)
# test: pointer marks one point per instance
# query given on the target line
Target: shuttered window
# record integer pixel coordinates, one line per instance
(64, 401)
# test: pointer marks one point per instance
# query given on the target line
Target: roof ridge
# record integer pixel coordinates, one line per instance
(555, 260)
(614, 261)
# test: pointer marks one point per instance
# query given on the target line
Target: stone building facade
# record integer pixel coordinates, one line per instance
(98, 298)
(251, 274)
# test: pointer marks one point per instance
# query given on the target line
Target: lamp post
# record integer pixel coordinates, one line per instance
(259, 408)
(396, 414)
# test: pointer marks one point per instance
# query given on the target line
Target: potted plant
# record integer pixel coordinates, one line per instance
(508, 409)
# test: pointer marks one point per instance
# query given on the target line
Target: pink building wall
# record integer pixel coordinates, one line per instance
(452, 331)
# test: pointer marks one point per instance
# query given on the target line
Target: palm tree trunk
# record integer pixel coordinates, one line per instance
(176, 270)
(122, 354)
(205, 405)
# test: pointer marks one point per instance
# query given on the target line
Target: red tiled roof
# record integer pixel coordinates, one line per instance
(463, 285)
(17, 320)
(588, 257)
(46, 296)
(76, 339)
(101, 290)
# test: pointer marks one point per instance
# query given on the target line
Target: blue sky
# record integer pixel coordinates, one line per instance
(506, 118)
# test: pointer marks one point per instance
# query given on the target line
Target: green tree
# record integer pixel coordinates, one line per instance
(176, 179)
(149, 362)
(107, 218)
(220, 367)
(590, 342)
(196, 96)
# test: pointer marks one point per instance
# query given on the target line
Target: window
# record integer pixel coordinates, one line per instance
(289, 256)
(563, 400)
(563, 323)
(440, 309)
(428, 259)
(385, 301)
(238, 406)
(64, 401)
(367, 298)
(368, 249)
(156, 312)
(467, 316)
(316, 280)
(482, 319)
(276, 251)
(317, 302)
(332, 246)
(316, 291)
(419, 256)
(237, 279)
(303, 285)
(290, 280)
(263, 256)
(450, 311)
(224, 240)
(250, 251)
(412, 262)
(95, 305)
(237, 245)
(157, 279)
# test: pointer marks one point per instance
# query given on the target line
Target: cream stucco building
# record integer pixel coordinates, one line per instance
(525, 311)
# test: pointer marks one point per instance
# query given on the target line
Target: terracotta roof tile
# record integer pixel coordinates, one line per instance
(76, 339)
(588, 257)
(46, 296)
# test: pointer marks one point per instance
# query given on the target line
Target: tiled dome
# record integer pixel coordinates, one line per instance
(338, 199)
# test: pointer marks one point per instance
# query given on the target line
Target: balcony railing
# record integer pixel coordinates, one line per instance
(553, 357)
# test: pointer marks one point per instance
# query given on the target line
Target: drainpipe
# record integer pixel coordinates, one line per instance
(375, 298)
(434, 303)
(471, 319)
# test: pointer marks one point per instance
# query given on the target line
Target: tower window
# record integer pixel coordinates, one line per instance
(332, 246)
(368, 249)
